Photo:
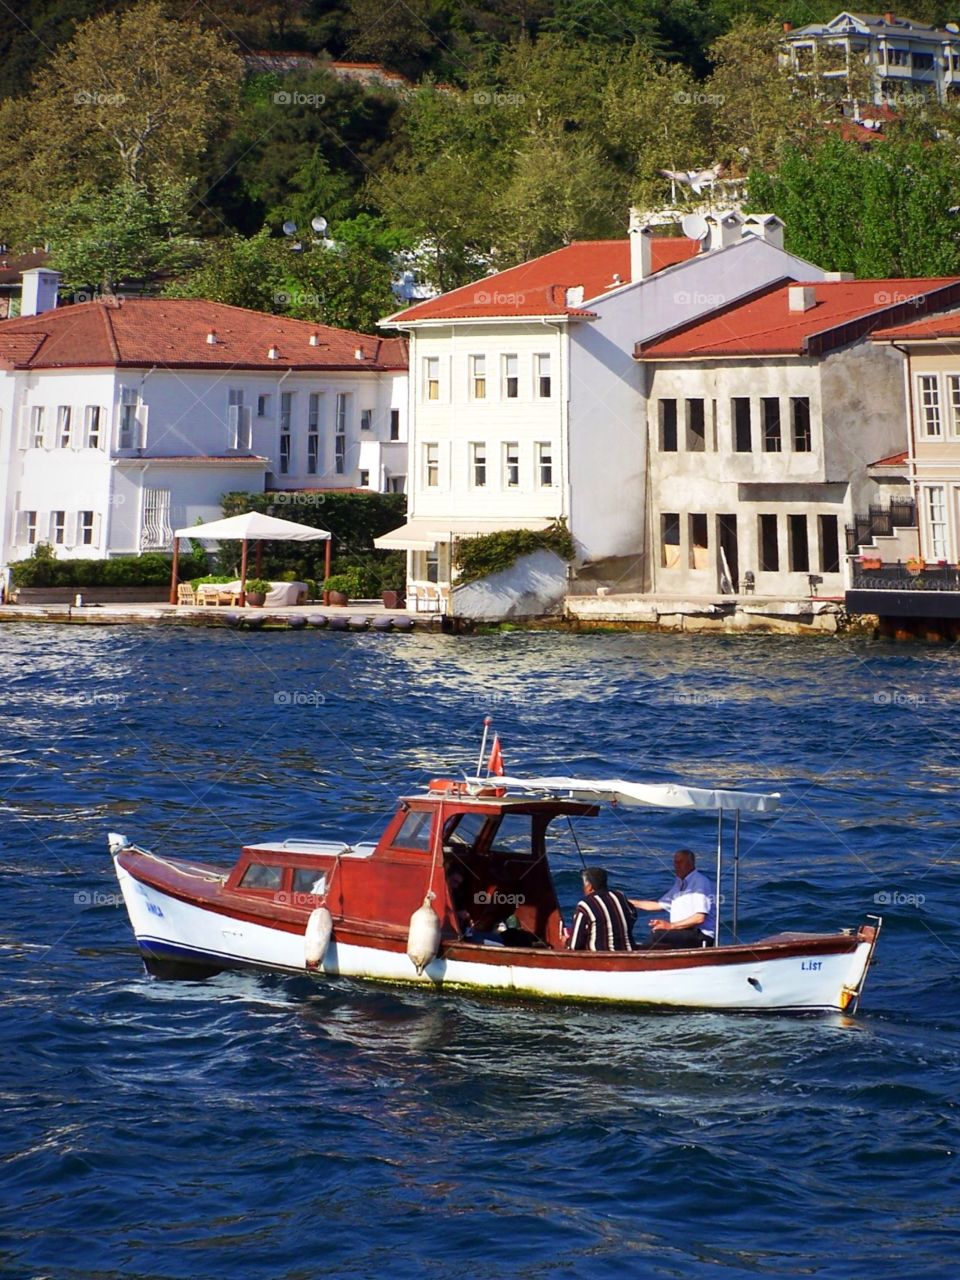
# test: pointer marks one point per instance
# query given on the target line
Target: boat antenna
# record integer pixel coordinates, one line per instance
(487, 722)
(573, 833)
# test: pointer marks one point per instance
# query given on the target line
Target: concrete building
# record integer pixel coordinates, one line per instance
(121, 420)
(763, 421)
(527, 404)
(894, 59)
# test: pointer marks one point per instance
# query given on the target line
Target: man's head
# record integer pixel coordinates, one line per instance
(683, 863)
(594, 879)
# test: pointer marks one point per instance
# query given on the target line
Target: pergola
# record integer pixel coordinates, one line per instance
(252, 526)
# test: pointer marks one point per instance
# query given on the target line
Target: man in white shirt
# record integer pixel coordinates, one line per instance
(690, 901)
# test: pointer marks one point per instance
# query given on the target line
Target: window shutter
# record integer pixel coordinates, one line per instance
(246, 432)
(143, 415)
(233, 426)
(96, 529)
(21, 537)
(71, 528)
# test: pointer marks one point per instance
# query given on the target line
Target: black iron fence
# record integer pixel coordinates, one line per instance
(880, 521)
(897, 577)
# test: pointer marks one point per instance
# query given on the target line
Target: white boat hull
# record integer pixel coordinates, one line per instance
(167, 928)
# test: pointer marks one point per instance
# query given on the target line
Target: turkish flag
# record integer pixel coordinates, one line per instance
(495, 763)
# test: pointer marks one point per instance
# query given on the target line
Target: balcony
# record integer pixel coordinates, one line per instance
(905, 589)
(898, 577)
(880, 522)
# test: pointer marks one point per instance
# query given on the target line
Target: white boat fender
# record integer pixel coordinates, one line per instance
(423, 940)
(316, 937)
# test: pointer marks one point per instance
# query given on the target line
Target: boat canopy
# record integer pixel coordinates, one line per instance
(663, 795)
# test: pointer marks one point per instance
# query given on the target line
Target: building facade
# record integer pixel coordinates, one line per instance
(122, 420)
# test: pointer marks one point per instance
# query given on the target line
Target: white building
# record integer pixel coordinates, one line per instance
(122, 420)
(526, 401)
(897, 57)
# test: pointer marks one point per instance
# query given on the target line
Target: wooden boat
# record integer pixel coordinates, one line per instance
(331, 908)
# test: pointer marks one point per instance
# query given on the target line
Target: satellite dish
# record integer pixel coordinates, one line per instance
(319, 225)
(694, 226)
(289, 228)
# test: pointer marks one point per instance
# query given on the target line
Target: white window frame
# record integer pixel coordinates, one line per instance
(544, 464)
(133, 420)
(64, 426)
(953, 402)
(544, 376)
(340, 433)
(366, 419)
(93, 420)
(478, 377)
(511, 380)
(315, 414)
(478, 464)
(38, 413)
(935, 519)
(511, 464)
(87, 523)
(929, 406)
(58, 528)
(431, 465)
(263, 404)
(431, 377)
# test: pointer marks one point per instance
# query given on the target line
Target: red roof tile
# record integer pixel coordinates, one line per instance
(763, 324)
(945, 326)
(894, 460)
(172, 332)
(538, 287)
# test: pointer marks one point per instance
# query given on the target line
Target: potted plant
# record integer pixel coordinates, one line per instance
(916, 565)
(393, 597)
(256, 591)
(871, 562)
(338, 588)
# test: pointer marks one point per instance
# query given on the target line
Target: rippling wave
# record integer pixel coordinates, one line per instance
(259, 1126)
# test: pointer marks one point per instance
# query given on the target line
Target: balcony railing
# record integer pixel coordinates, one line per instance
(897, 577)
(880, 522)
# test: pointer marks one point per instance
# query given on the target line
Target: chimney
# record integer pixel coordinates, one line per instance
(212, 338)
(273, 354)
(39, 291)
(801, 297)
(765, 226)
(573, 296)
(835, 277)
(358, 353)
(314, 339)
(641, 248)
(725, 229)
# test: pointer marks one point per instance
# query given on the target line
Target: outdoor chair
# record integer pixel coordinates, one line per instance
(185, 593)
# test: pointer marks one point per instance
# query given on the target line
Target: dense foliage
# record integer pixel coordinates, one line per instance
(493, 552)
(42, 569)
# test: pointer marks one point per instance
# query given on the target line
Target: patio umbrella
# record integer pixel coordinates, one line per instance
(252, 526)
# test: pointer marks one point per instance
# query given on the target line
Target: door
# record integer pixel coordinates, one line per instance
(728, 570)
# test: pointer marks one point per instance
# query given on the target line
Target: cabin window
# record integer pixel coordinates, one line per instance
(310, 880)
(464, 830)
(512, 835)
(258, 876)
(414, 832)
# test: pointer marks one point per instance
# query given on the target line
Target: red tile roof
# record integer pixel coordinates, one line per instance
(172, 333)
(894, 460)
(945, 326)
(763, 324)
(538, 287)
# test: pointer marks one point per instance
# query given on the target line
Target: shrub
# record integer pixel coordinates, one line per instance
(42, 569)
(493, 552)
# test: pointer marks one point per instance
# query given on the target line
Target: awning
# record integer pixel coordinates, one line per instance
(425, 533)
(254, 526)
(660, 795)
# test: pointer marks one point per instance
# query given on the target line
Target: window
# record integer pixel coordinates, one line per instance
(922, 61)
(770, 414)
(364, 479)
(800, 424)
(953, 386)
(64, 416)
(511, 377)
(667, 412)
(898, 57)
(86, 528)
(699, 549)
(340, 435)
(431, 378)
(239, 432)
(670, 540)
(156, 531)
(366, 419)
(263, 406)
(28, 528)
(431, 465)
(742, 429)
(286, 420)
(431, 561)
(696, 427)
(131, 433)
(478, 465)
(769, 545)
(92, 433)
(511, 465)
(394, 424)
(58, 527)
(937, 521)
(543, 377)
(799, 546)
(414, 832)
(310, 880)
(829, 535)
(545, 465)
(314, 403)
(257, 876)
(478, 377)
(37, 426)
(930, 423)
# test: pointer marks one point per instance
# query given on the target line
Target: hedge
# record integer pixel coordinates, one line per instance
(493, 552)
(149, 570)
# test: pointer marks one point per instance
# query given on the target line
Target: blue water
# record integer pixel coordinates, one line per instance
(265, 1127)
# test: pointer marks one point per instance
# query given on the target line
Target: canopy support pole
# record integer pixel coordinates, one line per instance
(243, 573)
(175, 571)
(327, 551)
(716, 891)
(736, 874)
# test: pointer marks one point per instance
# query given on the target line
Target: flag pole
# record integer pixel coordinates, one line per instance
(487, 722)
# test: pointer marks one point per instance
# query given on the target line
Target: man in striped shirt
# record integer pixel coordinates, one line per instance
(604, 918)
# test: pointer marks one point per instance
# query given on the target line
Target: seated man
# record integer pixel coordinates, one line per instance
(690, 901)
(604, 918)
